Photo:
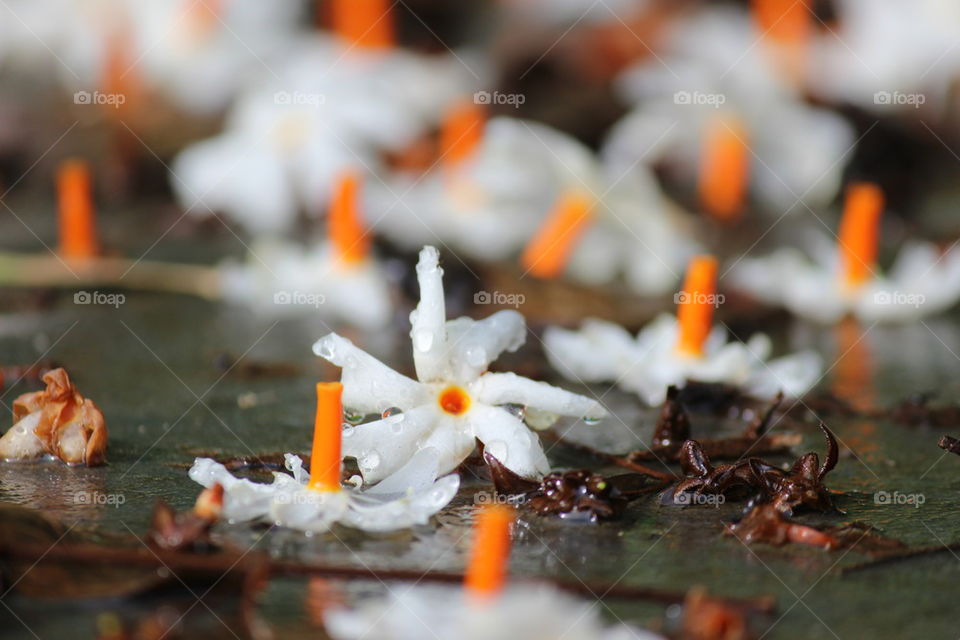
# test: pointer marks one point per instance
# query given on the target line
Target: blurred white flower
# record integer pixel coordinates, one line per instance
(714, 69)
(650, 362)
(520, 612)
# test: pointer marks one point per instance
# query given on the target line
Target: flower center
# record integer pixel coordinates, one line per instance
(454, 400)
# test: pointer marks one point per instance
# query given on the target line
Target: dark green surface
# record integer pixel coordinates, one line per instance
(149, 365)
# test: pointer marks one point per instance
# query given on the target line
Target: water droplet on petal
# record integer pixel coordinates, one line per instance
(348, 430)
(352, 416)
(370, 460)
(476, 356)
(518, 411)
(324, 348)
(392, 411)
(498, 449)
(423, 339)
(591, 420)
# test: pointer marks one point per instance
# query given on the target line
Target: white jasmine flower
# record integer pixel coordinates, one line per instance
(670, 351)
(843, 278)
(520, 612)
(313, 502)
(408, 498)
(454, 400)
(714, 74)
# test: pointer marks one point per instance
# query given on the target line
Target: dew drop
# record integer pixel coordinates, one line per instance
(352, 416)
(324, 349)
(391, 411)
(498, 449)
(348, 430)
(591, 420)
(518, 411)
(423, 339)
(370, 460)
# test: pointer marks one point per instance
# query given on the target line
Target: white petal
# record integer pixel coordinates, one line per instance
(794, 374)
(509, 440)
(592, 354)
(474, 344)
(369, 386)
(503, 388)
(243, 500)
(384, 446)
(308, 510)
(428, 320)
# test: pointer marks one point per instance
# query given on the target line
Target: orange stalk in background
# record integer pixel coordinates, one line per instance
(78, 231)
(461, 132)
(860, 232)
(325, 457)
(788, 24)
(724, 170)
(364, 23)
(487, 570)
(696, 304)
(548, 251)
(344, 222)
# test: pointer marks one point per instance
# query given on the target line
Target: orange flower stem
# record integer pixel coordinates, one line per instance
(724, 170)
(78, 232)
(367, 24)
(325, 457)
(788, 24)
(860, 232)
(548, 251)
(344, 225)
(461, 133)
(487, 570)
(696, 304)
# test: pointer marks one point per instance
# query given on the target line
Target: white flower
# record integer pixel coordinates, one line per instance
(520, 612)
(713, 69)
(454, 400)
(283, 278)
(407, 498)
(648, 364)
(488, 206)
(886, 55)
(287, 139)
(921, 282)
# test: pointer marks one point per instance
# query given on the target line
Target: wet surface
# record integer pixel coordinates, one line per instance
(152, 366)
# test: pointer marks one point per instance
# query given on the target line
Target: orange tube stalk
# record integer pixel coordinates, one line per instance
(860, 232)
(325, 457)
(461, 132)
(78, 231)
(548, 251)
(367, 24)
(724, 170)
(487, 570)
(344, 222)
(696, 304)
(788, 24)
